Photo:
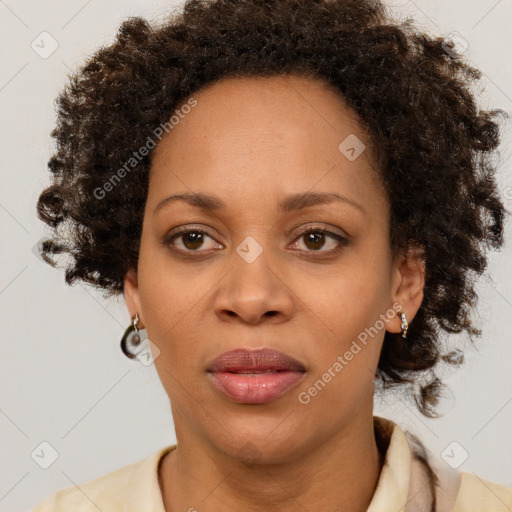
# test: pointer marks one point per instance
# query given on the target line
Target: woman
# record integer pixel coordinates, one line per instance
(291, 197)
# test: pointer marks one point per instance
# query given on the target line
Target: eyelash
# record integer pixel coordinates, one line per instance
(186, 230)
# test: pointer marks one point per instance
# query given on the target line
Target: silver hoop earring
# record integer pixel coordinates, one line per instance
(404, 326)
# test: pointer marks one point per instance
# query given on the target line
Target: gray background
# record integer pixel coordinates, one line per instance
(63, 377)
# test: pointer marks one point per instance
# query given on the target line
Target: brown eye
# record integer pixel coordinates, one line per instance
(191, 240)
(316, 239)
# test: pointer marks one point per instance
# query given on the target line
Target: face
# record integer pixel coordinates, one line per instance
(266, 263)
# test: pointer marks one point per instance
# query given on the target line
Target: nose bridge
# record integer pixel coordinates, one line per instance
(252, 266)
(253, 287)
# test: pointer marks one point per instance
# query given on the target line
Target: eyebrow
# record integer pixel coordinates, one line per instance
(288, 204)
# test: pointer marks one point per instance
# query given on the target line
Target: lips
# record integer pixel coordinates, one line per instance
(254, 361)
(254, 376)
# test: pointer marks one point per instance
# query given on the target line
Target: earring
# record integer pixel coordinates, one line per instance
(131, 338)
(404, 326)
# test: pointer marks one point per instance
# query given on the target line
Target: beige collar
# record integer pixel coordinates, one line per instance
(404, 484)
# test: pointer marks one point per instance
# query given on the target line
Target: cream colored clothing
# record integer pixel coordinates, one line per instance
(401, 487)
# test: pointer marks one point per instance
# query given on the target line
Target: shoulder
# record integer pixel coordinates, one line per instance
(132, 487)
(456, 491)
(477, 494)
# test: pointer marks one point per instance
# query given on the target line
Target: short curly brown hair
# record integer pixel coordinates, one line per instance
(433, 145)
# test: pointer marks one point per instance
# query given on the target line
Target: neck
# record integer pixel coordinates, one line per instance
(339, 474)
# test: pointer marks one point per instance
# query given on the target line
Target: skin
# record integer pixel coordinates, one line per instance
(252, 142)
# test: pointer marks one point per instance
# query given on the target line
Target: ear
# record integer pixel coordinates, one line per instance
(408, 282)
(131, 295)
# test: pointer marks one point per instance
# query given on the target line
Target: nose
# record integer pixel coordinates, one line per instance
(253, 292)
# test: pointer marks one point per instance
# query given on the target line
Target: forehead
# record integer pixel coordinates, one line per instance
(257, 133)
(277, 106)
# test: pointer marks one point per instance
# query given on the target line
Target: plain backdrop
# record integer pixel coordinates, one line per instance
(64, 380)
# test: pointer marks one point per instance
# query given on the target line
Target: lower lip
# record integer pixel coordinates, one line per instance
(255, 388)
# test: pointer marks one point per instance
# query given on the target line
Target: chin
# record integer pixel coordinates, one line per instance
(262, 441)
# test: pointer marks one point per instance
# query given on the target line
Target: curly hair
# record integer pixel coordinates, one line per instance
(433, 146)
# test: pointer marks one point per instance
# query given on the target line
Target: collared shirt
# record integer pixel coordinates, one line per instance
(401, 487)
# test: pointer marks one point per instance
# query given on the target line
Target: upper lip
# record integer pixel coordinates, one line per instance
(258, 360)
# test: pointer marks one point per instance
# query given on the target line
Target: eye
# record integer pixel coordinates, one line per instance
(191, 240)
(315, 239)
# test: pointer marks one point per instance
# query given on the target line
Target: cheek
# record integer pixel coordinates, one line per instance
(168, 297)
(346, 357)
(348, 301)
(350, 330)
(169, 314)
